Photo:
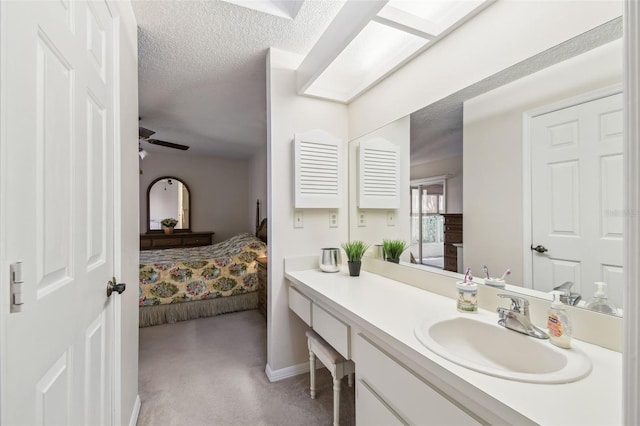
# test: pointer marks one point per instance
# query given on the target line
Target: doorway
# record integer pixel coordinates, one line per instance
(427, 223)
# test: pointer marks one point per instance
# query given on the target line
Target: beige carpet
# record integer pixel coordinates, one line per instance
(210, 371)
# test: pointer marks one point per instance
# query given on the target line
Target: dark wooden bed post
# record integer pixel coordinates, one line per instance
(257, 214)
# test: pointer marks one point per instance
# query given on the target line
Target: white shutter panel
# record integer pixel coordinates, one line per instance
(378, 174)
(318, 170)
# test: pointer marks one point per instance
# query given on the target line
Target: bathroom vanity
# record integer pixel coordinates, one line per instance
(374, 320)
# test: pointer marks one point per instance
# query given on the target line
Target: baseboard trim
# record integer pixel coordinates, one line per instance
(136, 411)
(285, 373)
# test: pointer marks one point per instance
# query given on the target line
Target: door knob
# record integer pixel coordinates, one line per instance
(539, 248)
(114, 286)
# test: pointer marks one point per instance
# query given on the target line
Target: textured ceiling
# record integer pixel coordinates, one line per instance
(436, 130)
(202, 70)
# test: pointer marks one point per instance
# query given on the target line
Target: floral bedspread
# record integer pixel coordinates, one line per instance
(197, 273)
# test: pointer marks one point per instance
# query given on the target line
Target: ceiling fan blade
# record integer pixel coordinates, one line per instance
(168, 144)
(145, 133)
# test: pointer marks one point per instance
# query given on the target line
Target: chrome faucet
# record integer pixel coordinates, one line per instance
(566, 295)
(517, 317)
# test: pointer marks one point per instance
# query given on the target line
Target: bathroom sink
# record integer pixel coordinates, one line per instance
(494, 350)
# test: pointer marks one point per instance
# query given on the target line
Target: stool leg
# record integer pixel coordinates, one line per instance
(312, 374)
(350, 379)
(336, 401)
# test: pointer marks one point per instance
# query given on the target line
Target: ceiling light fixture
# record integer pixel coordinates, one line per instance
(381, 42)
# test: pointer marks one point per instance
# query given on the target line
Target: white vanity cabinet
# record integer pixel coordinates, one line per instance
(387, 393)
(383, 382)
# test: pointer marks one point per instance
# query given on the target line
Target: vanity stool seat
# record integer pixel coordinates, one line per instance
(335, 363)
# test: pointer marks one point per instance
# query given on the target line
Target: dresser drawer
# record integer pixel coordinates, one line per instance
(334, 331)
(402, 391)
(450, 250)
(453, 237)
(300, 305)
(451, 264)
(168, 242)
(196, 241)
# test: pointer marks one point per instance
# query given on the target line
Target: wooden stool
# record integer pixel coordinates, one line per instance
(337, 365)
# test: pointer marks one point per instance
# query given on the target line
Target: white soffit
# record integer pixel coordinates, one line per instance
(283, 8)
(399, 31)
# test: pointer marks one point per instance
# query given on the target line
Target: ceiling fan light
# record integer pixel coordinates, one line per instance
(143, 154)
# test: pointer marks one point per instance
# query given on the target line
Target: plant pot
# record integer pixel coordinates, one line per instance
(354, 268)
(393, 260)
(167, 230)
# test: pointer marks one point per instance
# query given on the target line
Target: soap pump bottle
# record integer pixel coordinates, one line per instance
(558, 323)
(600, 302)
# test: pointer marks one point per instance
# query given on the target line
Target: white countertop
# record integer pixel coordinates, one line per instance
(394, 309)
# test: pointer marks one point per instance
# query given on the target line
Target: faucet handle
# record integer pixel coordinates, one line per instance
(518, 304)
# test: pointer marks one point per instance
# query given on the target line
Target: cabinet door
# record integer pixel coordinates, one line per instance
(402, 390)
(371, 410)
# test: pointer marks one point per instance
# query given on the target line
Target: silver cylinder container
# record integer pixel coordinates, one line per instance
(330, 259)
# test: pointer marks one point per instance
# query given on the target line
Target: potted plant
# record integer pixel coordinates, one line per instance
(168, 224)
(355, 250)
(393, 249)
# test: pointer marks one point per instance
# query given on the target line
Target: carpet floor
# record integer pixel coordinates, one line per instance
(210, 371)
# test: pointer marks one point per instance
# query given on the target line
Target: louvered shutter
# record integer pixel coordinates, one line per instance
(318, 170)
(378, 174)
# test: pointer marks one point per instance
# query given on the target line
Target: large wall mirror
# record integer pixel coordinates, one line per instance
(168, 197)
(532, 157)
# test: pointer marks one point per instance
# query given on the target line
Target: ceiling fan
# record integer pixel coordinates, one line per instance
(145, 134)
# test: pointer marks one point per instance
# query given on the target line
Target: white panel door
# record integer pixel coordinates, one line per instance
(577, 190)
(57, 173)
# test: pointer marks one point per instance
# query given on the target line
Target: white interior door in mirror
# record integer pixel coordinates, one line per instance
(577, 190)
(59, 210)
(378, 174)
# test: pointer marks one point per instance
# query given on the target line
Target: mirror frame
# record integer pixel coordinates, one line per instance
(160, 231)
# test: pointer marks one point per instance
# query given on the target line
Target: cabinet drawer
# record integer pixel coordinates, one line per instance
(144, 243)
(334, 331)
(371, 410)
(451, 264)
(168, 242)
(450, 249)
(300, 305)
(404, 392)
(453, 237)
(196, 241)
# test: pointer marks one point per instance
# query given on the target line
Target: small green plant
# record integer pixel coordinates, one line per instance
(169, 222)
(394, 248)
(355, 250)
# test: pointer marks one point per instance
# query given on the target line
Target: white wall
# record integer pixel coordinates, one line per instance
(258, 184)
(126, 260)
(504, 34)
(219, 190)
(287, 114)
(493, 227)
(376, 227)
(447, 166)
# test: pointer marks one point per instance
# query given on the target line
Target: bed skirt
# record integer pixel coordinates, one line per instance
(174, 312)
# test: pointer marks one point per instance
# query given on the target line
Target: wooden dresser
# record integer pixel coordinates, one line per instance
(262, 280)
(452, 235)
(177, 239)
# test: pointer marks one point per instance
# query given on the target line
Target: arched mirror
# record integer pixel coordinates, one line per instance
(168, 197)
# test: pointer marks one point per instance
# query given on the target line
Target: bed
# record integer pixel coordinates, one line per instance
(187, 283)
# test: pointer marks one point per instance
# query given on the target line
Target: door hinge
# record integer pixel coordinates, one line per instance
(16, 287)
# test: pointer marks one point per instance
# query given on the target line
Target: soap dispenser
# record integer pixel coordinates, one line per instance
(600, 302)
(558, 323)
